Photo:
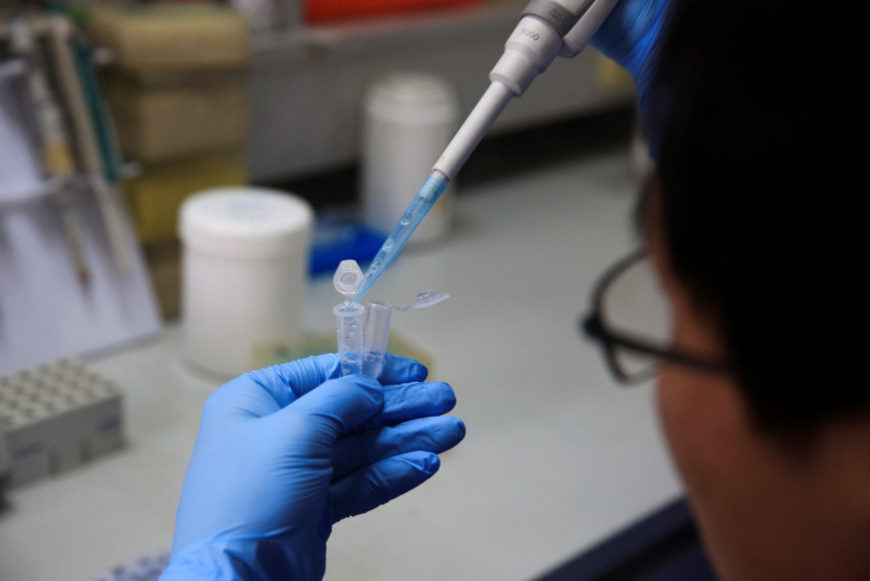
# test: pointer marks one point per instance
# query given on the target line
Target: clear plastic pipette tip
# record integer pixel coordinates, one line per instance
(432, 189)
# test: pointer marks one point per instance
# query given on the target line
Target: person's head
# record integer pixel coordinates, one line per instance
(752, 220)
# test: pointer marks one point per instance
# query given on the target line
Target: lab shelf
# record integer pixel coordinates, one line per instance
(308, 83)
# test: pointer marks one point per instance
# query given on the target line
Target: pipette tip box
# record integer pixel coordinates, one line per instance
(56, 417)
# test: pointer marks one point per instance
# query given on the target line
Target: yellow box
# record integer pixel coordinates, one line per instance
(163, 116)
(611, 77)
(165, 37)
(155, 196)
(164, 266)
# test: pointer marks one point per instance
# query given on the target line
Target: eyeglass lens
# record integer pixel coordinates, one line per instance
(634, 306)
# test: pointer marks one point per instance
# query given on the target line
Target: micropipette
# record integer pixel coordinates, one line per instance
(547, 28)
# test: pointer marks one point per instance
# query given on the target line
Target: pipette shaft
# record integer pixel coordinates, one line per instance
(547, 28)
(478, 123)
(490, 106)
(432, 189)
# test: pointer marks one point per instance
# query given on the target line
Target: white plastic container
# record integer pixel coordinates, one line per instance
(408, 120)
(244, 273)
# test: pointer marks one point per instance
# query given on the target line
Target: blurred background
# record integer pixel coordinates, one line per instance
(201, 94)
(118, 310)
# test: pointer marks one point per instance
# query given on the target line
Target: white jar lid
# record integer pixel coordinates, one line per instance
(246, 222)
(412, 97)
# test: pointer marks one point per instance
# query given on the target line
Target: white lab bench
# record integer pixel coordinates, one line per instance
(557, 456)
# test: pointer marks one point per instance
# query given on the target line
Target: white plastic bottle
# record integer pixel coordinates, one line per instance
(244, 274)
(408, 120)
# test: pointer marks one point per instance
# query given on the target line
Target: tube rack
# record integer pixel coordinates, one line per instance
(58, 416)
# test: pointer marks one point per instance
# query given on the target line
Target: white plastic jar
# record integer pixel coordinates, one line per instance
(244, 273)
(408, 119)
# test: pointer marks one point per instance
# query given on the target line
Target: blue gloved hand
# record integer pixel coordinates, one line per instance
(632, 35)
(285, 452)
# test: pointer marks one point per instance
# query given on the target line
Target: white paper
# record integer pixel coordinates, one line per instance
(45, 311)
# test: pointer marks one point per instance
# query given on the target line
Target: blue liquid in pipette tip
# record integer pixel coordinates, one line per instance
(432, 189)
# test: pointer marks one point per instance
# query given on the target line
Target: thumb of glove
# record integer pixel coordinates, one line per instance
(320, 417)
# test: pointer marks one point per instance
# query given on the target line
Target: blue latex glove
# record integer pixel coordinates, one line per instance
(632, 35)
(285, 452)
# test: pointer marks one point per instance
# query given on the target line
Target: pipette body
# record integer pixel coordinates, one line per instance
(547, 28)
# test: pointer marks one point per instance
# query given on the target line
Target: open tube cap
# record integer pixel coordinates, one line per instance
(347, 277)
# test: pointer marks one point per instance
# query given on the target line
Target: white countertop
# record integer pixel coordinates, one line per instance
(557, 456)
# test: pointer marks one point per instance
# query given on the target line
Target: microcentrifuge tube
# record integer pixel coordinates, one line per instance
(376, 337)
(349, 331)
(363, 331)
(349, 323)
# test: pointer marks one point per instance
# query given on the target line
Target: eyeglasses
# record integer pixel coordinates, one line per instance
(631, 320)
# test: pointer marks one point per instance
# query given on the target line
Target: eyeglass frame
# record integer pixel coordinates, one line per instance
(593, 326)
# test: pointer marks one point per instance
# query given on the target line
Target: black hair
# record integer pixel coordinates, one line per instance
(761, 197)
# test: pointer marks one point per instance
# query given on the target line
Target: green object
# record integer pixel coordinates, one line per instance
(77, 14)
(109, 156)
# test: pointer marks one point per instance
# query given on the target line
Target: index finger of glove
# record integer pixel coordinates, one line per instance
(409, 401)
(289, 381)
(398, 369)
